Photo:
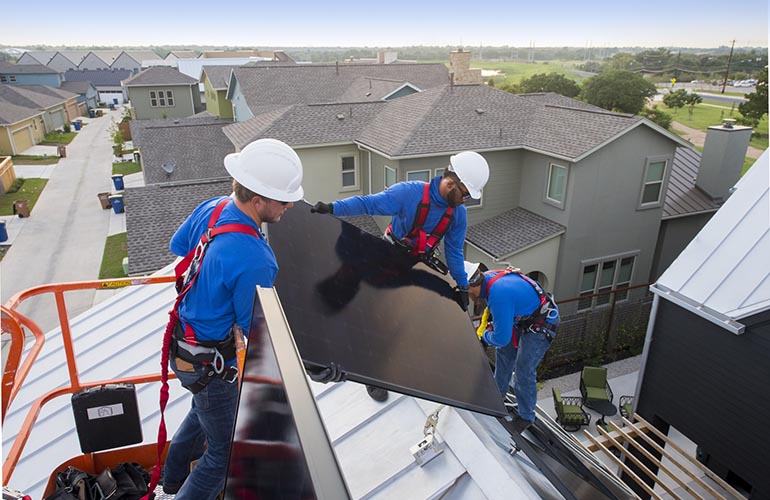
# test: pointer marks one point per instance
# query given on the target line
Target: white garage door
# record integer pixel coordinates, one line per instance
(22, 139)
(57, 118)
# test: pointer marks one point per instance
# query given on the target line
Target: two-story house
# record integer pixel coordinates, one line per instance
(29, 74)
(162, 92)
(106, 81)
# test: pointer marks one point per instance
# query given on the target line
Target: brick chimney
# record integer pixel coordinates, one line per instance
(722, 159)
(460, 68)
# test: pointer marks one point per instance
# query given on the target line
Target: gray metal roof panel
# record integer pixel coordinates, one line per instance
(155, 212)
(160, 75)
(511, 231)
(682, 195)
(197, 151)
(99, 77)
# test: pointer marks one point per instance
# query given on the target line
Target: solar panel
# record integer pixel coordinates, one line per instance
(354, 299)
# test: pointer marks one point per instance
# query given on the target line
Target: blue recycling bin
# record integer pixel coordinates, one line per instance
(112, 106)
(117, 180)
(77, 125)
(115, 100)
(116, 200)
(91, 113)
(3, 231)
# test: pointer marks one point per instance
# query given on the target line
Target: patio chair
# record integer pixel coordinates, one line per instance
(626, 406)
(569, 411)
(594, 386)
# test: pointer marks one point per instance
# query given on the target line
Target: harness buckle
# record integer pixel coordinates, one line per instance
(230, 375)
(218, 363)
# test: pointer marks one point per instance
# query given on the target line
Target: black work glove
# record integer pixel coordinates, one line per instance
(461, 296)
(322, 208)
(324, 375)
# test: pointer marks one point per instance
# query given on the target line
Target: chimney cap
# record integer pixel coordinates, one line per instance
(728, 122)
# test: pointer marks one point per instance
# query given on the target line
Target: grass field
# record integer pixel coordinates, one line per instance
(59, 138)
(126, 168)
(115, 248)
(514, 72)
(706, 116)
(34, 160)
(30, 190)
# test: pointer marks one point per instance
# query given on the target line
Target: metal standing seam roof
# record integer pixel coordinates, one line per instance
(724, 273)
(196, 150)
(682, 196)
(155, 213)
(512, 231)
(8, 68)
(160, 75)
(99, 77)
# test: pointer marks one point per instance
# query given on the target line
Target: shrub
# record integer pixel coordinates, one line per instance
(16, 185)
(67, 128)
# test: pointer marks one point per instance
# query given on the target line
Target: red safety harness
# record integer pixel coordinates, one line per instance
(193, 261)
(419, 241)
(538, 317)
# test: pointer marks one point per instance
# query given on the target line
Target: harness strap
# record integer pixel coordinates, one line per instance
(417, 238)
(193, 258)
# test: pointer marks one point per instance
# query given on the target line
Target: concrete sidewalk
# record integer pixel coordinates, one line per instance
(63, 239)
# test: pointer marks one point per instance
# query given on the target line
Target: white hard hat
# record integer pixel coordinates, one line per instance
(269, 168)
(472, 169)
(471, 268)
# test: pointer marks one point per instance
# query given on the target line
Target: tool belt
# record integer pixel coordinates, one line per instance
(429, 258)
(212, 355)
(543, 329)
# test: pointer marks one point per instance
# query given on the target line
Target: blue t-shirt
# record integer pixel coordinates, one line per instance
(510, 296)
(400, 201)
(234, 264)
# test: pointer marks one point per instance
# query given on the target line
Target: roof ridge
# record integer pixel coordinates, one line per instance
(594, 111)
(339, 103)
(422, 95)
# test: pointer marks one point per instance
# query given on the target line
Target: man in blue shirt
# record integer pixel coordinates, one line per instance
(424, 214)
(525, 322)
(267, 180)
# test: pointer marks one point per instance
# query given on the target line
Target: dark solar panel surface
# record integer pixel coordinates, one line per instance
(354, 299)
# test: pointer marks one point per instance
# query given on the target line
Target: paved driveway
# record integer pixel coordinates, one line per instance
(63, 239)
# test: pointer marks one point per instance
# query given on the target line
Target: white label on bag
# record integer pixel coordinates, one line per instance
(105, 411)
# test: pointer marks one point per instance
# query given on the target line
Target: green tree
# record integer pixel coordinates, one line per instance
(618, 90)
(675, 99)
(657, 116)
(691, 100)
(551, 82)
(755, 106)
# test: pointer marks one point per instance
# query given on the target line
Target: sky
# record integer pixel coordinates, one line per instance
(397, 23)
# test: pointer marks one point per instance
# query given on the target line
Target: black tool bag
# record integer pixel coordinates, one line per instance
(125, 481)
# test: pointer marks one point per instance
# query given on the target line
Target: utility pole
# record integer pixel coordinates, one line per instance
(727, 72)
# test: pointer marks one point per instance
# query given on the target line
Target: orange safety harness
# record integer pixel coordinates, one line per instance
(191, 261)
(539, 316)
(420, 242)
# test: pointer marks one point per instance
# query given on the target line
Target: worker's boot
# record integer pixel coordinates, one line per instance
(521, 424)
(377, 393)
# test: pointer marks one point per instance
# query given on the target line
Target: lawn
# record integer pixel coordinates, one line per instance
(34, 160)
(115, 249)
(706, 116)
(514, 72)
(126, 168)
(59, 138)
(29, 190)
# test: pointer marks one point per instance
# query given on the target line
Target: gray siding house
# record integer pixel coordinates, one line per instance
(107, 82)
(29, 74)
(93, 62)
(163, 92)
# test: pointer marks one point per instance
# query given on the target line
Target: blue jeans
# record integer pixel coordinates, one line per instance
(532, 348)
(209, 420)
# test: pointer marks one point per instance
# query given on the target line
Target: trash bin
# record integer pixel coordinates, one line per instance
(117, 180)
(115, 101)
(21, 208)
(62, 150)
(91, 113)
(104, 199)
(3, 231)
(116, 200)
(77, 125)
(112, 106)
(137, 158)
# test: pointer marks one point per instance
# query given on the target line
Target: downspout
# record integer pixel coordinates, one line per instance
(370, 167)
(646, 350)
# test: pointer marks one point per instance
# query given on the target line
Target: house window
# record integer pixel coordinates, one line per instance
(418, 175)
(153, 99)
(12, 78)
(652, 188)
(161, 99)
(3, 79)
(605, 276)
(170, 98)
(390, 176)
(557, 185)
(349, 179)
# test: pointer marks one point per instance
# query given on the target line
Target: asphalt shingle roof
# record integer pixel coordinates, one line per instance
(99, 77)
(160, 75)
(138, 126)
(369, 89)
(196, 151)
(218, 76)
(511, 232)
(12, 113)
(25, 68)
(76, 87)
(682, 196)
(41, 56)
(33, 96)
(153, 214)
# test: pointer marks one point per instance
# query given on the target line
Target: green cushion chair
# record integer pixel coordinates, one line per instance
(594, 386)
(569, 411)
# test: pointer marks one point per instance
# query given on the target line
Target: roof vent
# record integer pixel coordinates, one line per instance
(728, 122)
(480, 111)
(168, 168)
(176, 121)
(341, 116)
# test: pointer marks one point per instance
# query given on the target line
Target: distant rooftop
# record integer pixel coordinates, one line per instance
(511, 232)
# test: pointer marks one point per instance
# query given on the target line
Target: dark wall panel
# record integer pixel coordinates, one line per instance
(714, 387)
